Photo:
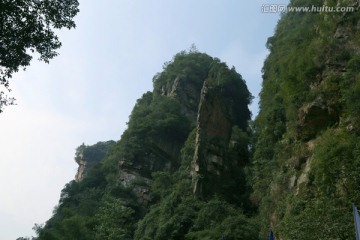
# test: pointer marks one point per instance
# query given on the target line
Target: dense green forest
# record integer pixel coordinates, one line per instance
(192, 165)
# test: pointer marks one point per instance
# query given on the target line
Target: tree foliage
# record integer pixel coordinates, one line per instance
(27, 26)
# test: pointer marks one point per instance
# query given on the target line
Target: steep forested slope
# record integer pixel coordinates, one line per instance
(178, 171)
(307, 132)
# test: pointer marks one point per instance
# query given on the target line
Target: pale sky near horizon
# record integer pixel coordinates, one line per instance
(87, 92)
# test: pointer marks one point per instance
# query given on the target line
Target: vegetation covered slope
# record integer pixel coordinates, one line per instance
(142, 188)
(306, 137)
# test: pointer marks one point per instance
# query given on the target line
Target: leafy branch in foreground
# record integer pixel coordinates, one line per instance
(27, 26)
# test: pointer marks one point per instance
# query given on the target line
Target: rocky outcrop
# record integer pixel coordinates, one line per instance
(80, 174)
(187, 93)
(130, 177)
(162, 153)
(88, 156)
(136, 173)
(209, 97)
(213, 133)
(315, 117)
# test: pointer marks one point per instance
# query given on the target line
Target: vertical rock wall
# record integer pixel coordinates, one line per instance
(212, 138)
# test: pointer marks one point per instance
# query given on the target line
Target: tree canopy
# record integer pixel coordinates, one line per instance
(26, 27)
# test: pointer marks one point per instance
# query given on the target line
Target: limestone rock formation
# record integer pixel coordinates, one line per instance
(88, 156)
(213, 132)
(80, 174)
(213, 99)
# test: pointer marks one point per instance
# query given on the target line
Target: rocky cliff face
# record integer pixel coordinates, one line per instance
(221, 145)
(81, 172)
(176, 98)
(207, 100)
(162, 150)
(187, 93)
(88, 156)
(213, 132)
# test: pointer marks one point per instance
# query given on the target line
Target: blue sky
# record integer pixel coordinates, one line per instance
(87, 93)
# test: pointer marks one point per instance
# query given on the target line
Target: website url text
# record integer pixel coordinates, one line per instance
(282, 8)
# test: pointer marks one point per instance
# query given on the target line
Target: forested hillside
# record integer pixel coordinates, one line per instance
(191, 165)
(306, 136)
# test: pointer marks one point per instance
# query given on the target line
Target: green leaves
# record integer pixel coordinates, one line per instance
(191, 66)
(218, 218)
(334, 220)
(115, 221)
(28, 25)
(336, 164)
